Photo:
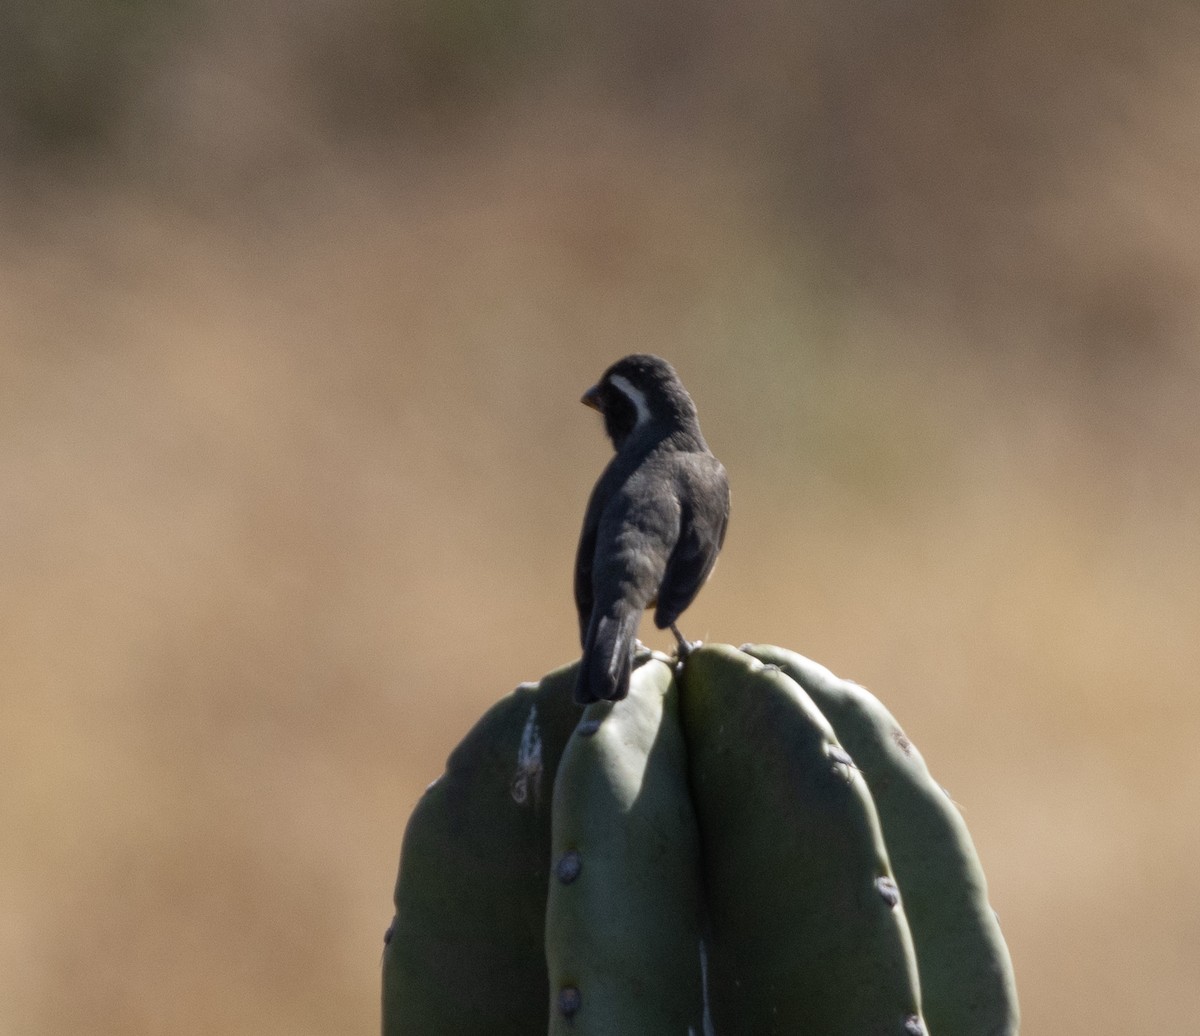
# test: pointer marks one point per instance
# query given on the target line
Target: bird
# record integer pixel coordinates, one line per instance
(654, 524)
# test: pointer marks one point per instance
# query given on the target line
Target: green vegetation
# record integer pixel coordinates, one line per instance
(741, 846)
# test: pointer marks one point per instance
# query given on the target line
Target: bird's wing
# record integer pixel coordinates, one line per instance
(702, 533)
(584, 560)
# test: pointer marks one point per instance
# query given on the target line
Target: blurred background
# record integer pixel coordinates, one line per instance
(298, 300)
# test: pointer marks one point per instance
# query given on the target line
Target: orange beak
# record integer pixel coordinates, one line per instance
(592, 398)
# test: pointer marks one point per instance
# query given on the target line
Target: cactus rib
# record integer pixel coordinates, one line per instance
(803, 938)
(465, 951)
(967, 984)
(622, 918)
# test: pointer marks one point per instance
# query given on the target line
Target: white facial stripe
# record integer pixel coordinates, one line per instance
(634, 395)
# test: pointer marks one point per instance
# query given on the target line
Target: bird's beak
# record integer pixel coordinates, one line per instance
(592, 398)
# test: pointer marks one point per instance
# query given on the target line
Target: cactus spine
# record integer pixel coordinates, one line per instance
(739, 847)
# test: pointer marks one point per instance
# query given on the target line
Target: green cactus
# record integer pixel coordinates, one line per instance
(800, 895)
(464, 955)
(967, 983)
(739, 847)
(623, 917)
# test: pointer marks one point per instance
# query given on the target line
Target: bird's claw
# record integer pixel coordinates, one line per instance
(684, 647)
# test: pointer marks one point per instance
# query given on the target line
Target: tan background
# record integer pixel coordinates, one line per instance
(297, 304)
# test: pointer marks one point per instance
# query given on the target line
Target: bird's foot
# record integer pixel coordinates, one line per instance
(684, 647)
(641, 654)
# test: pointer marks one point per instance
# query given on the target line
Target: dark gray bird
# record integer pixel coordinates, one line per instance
(654, 524)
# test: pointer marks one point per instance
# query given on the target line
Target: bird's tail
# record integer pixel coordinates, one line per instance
(607, 656)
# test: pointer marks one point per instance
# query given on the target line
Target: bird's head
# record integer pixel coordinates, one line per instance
(640, 391)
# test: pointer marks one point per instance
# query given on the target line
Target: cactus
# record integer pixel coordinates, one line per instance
(623, 917)
(464, 955)
(800, 894)
(967, 983)
(740, 846)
